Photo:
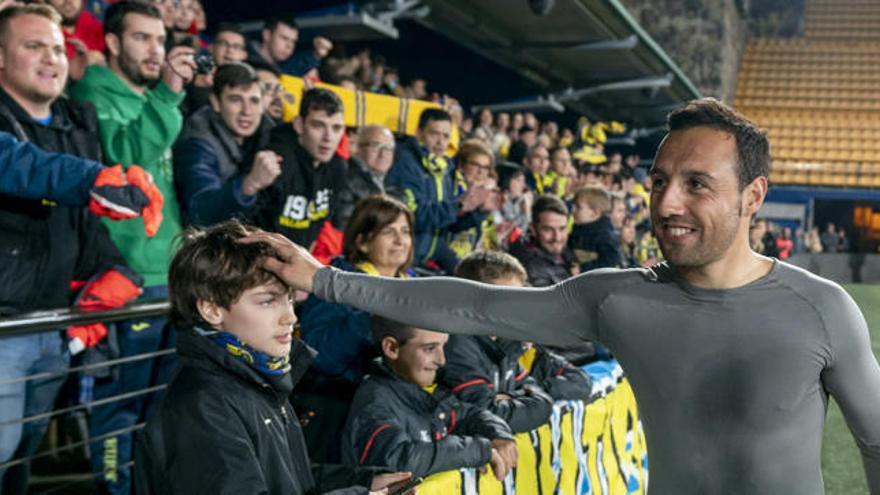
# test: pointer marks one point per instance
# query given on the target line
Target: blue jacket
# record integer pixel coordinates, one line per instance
(339, 332)
(29, 172)
(209, 167)
(429, 190)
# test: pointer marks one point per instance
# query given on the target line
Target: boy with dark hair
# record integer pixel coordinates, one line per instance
(403, 419)
(593, 239)
(220, 163)
(302, 198)
(225, 424)
(482, 365)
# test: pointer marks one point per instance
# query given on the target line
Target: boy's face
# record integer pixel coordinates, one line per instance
(583, 213)
(262, 318)
(418, 360)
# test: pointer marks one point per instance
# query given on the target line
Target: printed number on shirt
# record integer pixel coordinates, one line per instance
(299, 212)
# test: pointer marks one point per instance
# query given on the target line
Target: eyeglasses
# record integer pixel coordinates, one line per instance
(388, 148)
(478, 165)
(232, 46)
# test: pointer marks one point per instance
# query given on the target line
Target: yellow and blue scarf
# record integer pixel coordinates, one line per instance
(262, 362)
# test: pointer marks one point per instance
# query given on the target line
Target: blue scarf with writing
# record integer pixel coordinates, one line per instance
(262, 362)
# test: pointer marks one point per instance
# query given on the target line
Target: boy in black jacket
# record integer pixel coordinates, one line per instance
(593, 239)
(402, 419)
(512, 379)
(302, 198)
(225, 425)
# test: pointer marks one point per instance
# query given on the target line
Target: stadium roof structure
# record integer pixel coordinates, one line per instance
(592, 56)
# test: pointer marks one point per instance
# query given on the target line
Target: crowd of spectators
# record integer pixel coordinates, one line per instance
(782, 242)
(142, 83)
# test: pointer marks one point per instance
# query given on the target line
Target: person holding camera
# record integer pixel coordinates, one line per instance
(219, 167)
(137, 97)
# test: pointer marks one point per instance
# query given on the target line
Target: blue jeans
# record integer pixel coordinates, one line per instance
(23, 356)
(109, 457)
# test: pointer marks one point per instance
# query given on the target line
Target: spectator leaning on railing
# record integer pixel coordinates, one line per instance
(136, 97)
(48, 249)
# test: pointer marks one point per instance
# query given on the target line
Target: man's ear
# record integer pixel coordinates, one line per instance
(215, 102)
(390, 348)
(753, 196)
(265, 34)
(113, 44)
(298, 125)
(210, 312)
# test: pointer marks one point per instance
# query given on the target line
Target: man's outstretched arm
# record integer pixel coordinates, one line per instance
(561, 314)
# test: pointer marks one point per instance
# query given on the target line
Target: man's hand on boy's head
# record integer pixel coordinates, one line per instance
(294, 265)
(507, 449)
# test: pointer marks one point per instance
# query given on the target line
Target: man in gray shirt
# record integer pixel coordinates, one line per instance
(731, 354)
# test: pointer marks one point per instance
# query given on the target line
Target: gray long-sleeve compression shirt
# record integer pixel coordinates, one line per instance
(732, 384)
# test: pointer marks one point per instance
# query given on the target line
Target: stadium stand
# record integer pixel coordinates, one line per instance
(816, 96)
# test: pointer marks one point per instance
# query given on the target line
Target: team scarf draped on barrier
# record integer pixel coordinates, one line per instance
(595, 448)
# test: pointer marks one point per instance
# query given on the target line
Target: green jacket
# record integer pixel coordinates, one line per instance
(138, 130)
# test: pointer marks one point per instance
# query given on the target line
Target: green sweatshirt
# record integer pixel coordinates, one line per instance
(138, 130)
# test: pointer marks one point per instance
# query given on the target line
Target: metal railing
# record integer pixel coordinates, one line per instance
(59, 319)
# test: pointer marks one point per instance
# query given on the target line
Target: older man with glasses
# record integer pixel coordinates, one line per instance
(367, 169)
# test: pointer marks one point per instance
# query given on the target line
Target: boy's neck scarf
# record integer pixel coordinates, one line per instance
(262, 362)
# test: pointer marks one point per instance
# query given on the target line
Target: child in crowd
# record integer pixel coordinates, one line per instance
(402, 419)
(517, 203)
(509, 377)
(593, 239)
(225, 424)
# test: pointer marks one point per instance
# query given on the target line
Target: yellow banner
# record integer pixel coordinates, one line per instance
(598, 448)
(401, 115)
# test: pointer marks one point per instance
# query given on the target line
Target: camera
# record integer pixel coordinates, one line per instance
(204, 64)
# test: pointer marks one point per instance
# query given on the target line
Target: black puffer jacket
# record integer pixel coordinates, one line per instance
(560, 378)
(43, 246)
(396, 424)
(223, 428)
(479, 368)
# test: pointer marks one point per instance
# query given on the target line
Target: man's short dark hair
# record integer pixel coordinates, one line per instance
(317, 99)
(114, 18)
(432, 115)
(257, 63)
(212, 265)
(383, 327)
(229, 27)
(548, 202)
(233, 75)
(273, 22)
(752, 146)
(489, 266)
(15, 10)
